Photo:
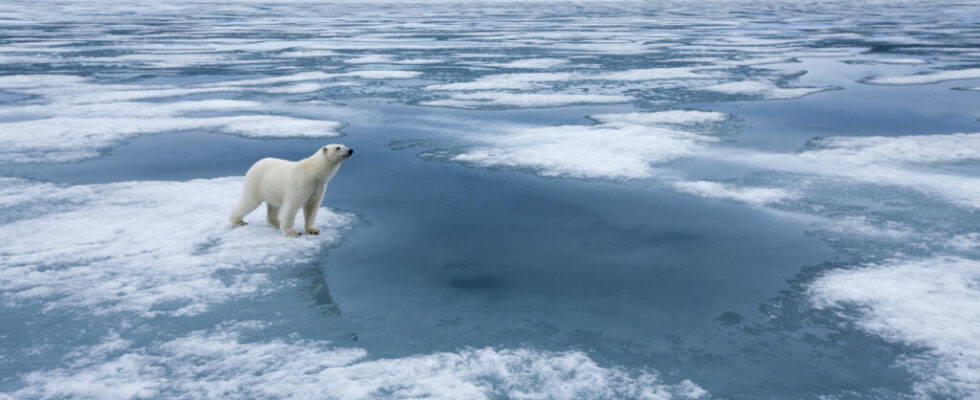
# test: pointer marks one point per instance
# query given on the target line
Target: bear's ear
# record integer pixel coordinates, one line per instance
(325, 149)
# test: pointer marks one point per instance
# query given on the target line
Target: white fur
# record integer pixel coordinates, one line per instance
(285, 186)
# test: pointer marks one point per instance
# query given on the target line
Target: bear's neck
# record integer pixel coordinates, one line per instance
(321, 167)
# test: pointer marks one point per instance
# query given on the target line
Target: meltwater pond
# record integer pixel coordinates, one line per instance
(554, 200)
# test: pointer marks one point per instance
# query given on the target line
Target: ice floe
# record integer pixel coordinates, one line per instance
(900, 61)
(648, 74)
(751, 195)
(762, 89)
(944, 148)
(533, 80)
(145, 248)
(319, 76)
(219, 363)
(507, 81)
(672, 117)
(932, 304)
(532, 63)
(927, 78)
(489, 99)
(960, 189)
(620, 146)
(81, 117)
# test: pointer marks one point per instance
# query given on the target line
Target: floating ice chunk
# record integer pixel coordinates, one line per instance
(959, 189)
(929, 303)
(927, 78)
(648, 74)
(298, 88)
(298, 77)
(751, 195)
(388, 59)
(319, 76)
(747, 41)
(765, 90)
(966, 241)
(83, 94)
(142, 247)
(620, 48)
(308, 53)
(164, 59)
(760, 61)
(897, 149)
(382, 74)
(485, 99)
(617, 148)
(72, 138)
(527, 81)
(88, 110)
(533, 63)
(507, 81)
(901, 61)
(370, 59)
(671, 117)
(218, 363)
(862, 227)
(83, 117)
(272, 126)
(31, 81)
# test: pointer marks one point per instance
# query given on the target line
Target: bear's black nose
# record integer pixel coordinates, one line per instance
(350, 152)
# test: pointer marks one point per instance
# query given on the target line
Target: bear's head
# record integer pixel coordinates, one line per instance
(336, 153)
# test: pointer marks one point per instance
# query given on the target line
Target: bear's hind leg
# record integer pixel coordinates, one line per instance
(272, 215)
(246, 205)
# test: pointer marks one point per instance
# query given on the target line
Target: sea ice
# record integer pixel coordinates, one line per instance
(621, 146)
(218, 363)
(927, 78)
(931, 303)
(146, 248)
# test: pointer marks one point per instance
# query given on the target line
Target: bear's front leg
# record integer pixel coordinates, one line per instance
(309, 212)
(287, 215)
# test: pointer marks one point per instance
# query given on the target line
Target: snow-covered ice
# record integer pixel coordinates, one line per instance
(148, 248)
(932, 303)
(847, 200)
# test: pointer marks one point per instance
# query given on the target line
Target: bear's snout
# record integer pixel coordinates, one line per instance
(350, 152)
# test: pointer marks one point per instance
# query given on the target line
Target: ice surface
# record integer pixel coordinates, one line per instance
(621, 146)
(927, 78)
(959, 189)
(764, 90)
(673, 117)
(148, 248)
(534, 80)
(388, 59)
(932, 303)
(751, 195)
(483, 99)
(649, 74)
(81, 117)
(897, 149)
(905, 61)
(507, 81)
(217, 363)
(533, 63)
(108, 72)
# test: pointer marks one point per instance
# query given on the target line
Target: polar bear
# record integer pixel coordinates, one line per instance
(285, 186)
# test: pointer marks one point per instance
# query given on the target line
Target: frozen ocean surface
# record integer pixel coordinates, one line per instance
(549, 200)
